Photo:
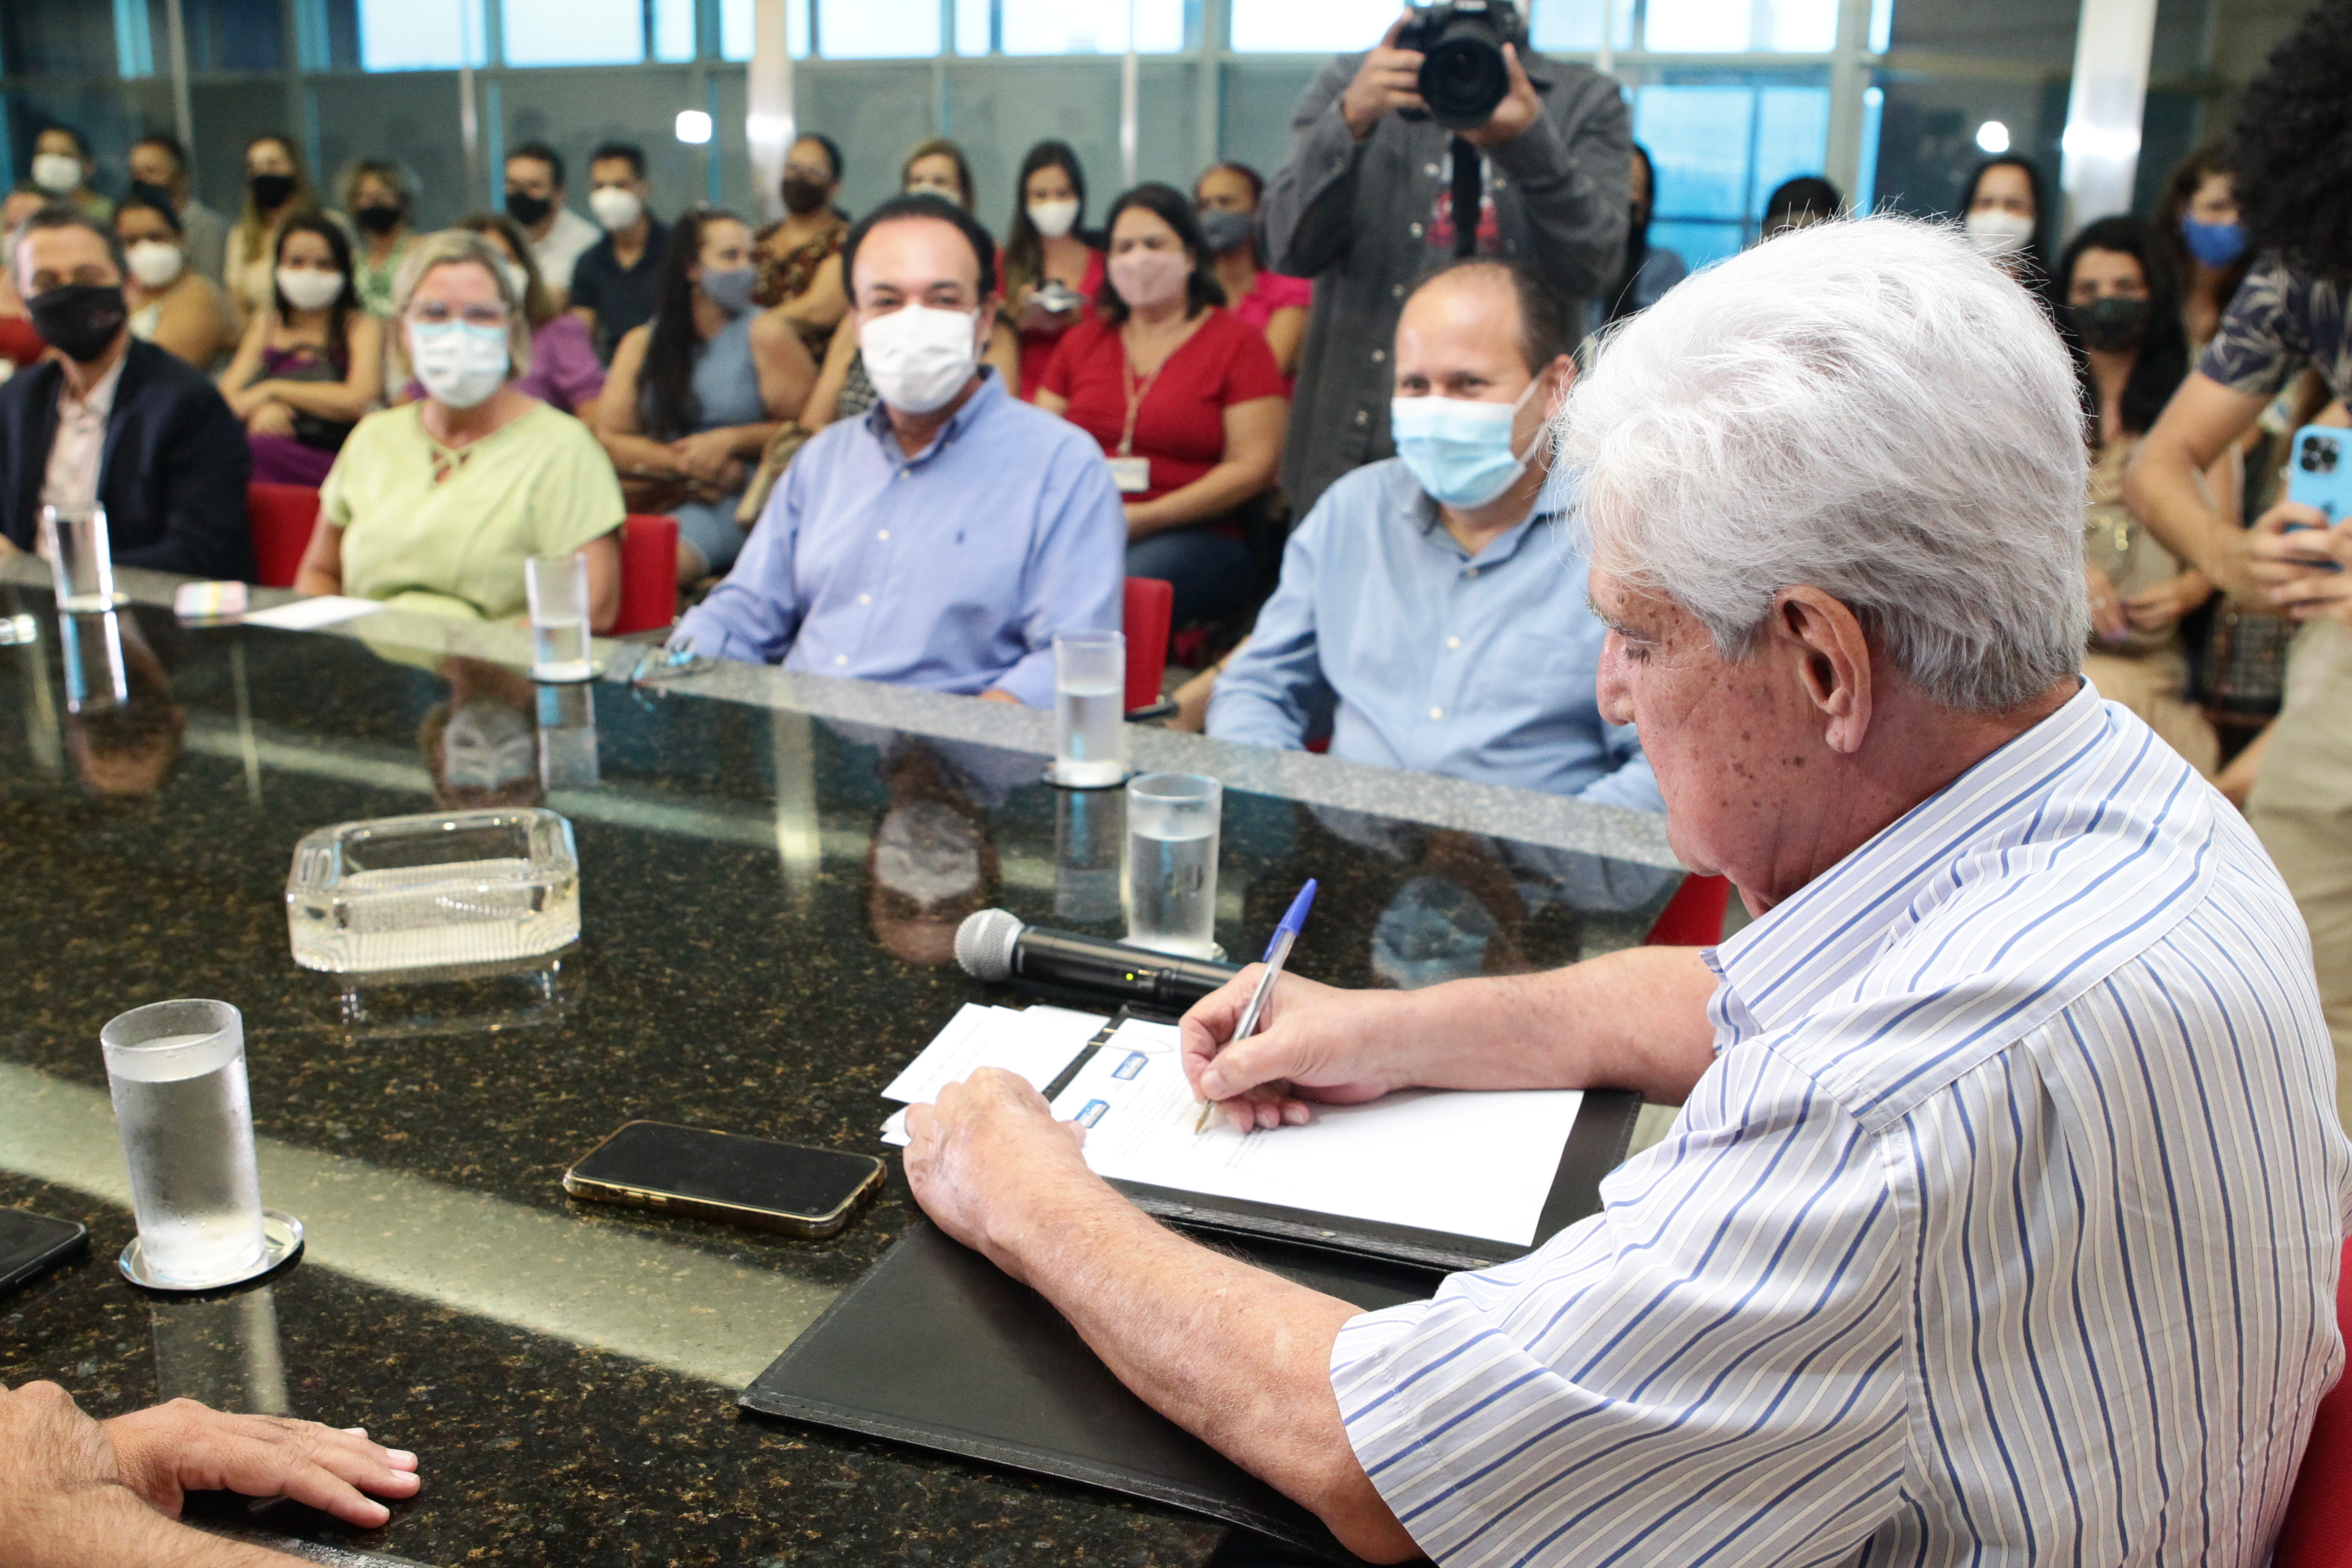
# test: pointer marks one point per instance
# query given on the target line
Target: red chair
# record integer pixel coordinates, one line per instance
(648, 573)
(1149, 607)
(2319, 1528)
(1694, 916)
(282, 517)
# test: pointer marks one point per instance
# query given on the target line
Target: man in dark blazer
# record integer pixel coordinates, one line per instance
(116, 420)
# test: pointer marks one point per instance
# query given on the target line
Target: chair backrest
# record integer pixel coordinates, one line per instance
(1149, 607)
(282, 517)
(1694, 916)
(648, 573)
(2319, 1528)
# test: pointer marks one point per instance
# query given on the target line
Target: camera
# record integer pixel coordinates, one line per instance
(1462, 76)
(2319, 455)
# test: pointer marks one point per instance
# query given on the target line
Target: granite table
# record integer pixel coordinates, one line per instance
(772, 867)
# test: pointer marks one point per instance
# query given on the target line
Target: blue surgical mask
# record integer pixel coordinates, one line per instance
(2217, 245)
(1459, 451)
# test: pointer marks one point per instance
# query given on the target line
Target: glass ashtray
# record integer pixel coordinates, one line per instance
(442, 888)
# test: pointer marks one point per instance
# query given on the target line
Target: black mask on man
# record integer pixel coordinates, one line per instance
(79, 320)
(527, 210)
(270, 191)
(376, 217)
(2111, 326)
(803, 195)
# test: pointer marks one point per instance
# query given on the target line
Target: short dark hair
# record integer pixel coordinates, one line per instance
(607, 150)
(540, 151)
(984, 245)
(1172, 207)
(832, 149)
(2286, 149)
(1805, 193)
(80, 142)
(149, 199)
(169, 142)
(65, 215)
(1547, 329)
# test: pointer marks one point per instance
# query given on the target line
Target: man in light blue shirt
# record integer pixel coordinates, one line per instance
(1431, 615)
(944, 538)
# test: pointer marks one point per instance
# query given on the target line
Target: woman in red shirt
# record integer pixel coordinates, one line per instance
(1184, 397)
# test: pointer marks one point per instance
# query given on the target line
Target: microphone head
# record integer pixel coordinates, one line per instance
(984, 943)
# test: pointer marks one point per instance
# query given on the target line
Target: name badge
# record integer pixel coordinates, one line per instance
(1131, 475)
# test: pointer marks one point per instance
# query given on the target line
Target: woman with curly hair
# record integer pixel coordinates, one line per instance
(2288, 150)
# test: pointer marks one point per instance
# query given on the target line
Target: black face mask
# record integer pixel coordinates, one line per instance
(803, 195)
(79, 320)
(528, 210)
(376, 219)
(2111, 326)
(271, 192)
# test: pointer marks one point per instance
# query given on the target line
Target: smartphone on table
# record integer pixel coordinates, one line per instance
(33, 1244)
(724, 1176)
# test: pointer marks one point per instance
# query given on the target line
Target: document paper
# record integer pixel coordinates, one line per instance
(1036, 1043)
(310, 614)
(1460, 1163)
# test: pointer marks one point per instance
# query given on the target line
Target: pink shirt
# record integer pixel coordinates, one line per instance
(1273, 291)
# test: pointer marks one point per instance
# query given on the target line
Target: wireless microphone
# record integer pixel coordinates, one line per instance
(993, 945)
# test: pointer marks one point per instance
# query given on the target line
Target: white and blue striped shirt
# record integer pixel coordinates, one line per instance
(2004, 1229)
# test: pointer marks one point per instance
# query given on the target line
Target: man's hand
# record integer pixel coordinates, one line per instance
(2298, 561)
(164, 1453)
(2160, 608)
(980, 1153)
(1315, 1043)
(1519, 107)
(1389, 79)
(58, 1479)
(998, 694)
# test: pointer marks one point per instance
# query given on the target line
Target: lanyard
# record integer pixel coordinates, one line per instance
(1136, 392)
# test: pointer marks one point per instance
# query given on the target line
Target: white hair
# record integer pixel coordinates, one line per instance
(1867, 407)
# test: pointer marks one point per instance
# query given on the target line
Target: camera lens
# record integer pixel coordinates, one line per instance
(1462, 76)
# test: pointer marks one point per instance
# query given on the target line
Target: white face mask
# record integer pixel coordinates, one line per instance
(1054, 218)
(156, 263)
(1996, 234)
(919, 358)
(56, 173)
(459, 363)
(308, 288)
(616, 208)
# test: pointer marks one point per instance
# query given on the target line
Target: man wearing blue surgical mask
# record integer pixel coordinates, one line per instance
(1432, 615)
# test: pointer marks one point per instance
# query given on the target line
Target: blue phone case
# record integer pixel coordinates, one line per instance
(2319, 470)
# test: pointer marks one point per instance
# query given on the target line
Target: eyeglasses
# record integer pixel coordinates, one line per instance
(434, 313)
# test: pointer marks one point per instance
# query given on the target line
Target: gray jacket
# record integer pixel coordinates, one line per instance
(1361, 219)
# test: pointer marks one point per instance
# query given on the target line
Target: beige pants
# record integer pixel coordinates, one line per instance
(2302, 807)
(2150, 685)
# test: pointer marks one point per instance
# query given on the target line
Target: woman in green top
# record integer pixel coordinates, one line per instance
(435, 505)
(381, 196)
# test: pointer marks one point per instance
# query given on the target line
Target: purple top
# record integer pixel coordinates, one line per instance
(564, 374)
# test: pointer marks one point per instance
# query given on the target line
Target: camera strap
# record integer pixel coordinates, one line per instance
(1468, 188)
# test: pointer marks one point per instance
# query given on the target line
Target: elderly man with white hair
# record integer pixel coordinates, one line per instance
(2001, 1219)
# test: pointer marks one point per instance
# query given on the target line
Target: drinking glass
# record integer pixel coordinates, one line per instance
(73, 539)
(177, 1073)
(1089, 710)
(558, 587)
(567, 737)
(97, 679)
(1171, 863)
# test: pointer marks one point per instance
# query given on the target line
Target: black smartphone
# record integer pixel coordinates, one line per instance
(727, 1177)
(33, 1244)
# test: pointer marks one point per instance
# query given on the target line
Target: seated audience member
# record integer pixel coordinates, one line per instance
(1798, 203)
(1226, 197)
(1648, 270)
(563, 370)
(435, 505)
(2005, 214)
(63, 169)
(696, 392)
(2122, 321)
(1918, 1234)
(311, 365)
(559, 237)
(1048, 244)
(277, 188)
(799, 253)
(2198, 226)
(843, 390)
(110, 420)
(161, 163)
(381, 196)
(613, 282)
(942, 540)
(1184, 398)
(20, 345)
(1430, 615)
(173, 305)
(74, 1491)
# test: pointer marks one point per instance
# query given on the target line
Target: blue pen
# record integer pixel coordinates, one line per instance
(1277, 953)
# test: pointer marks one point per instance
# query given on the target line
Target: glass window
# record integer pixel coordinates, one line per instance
(575, 32)
(1573, 26)
(673, 31)
(972, 26)
(1310, 27)
(877, 29)
(1734, 27)
(1792, 138)
(421, 35)
(1718, 151)
(1091, 26)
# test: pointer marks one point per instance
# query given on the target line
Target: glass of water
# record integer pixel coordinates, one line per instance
(73, 538)
(558, 587)
(1171, 863)
(177, 1072)
(1089, 710)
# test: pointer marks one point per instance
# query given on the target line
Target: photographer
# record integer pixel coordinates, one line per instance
(1514, 156)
